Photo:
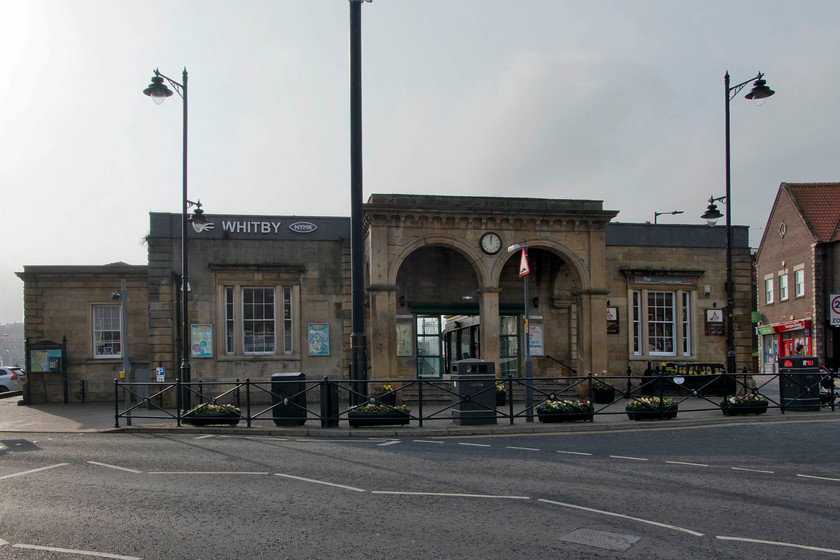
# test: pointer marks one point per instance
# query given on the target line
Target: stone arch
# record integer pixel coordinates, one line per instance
(474, 257)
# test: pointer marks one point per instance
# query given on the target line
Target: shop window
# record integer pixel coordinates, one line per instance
(106, 331)
(768, 290)
(799, 283)
(783, 287)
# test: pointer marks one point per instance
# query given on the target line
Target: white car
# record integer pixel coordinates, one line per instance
(11, 378)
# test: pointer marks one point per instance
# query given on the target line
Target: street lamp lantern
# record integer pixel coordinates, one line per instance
(712, 214)
(157, 90)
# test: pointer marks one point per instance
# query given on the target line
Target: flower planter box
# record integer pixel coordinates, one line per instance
(549, 416)
(603, 396)
(501, 398)
(652, 414)
(393, 417)
(212, 418)
(738, 409)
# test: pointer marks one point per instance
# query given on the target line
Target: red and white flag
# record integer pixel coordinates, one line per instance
(523, 265)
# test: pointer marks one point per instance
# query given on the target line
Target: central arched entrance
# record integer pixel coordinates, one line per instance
(439, 300)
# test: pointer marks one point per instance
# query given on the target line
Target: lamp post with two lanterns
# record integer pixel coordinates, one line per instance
(758, 94)
(159, 91)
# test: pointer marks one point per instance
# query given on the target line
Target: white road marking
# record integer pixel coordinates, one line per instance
(621, 515)
(629, 458)
(114, 467)
(475, 444)
(523, 448)
(210, 472)
(684, 463)
(73, 551)
(449, 495)
(207, 436)
(3, 543)
(751, 470)
(392, 442)
(574, 453)
(313, 481)
(33, 471)
(818, 477)
(777, 543)
(427, 441)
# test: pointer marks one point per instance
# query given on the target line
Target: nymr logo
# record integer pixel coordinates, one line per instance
(303, 227)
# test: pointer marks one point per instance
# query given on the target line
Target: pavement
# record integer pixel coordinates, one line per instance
(99, 417)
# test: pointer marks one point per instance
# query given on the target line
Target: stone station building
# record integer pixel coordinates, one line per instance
(271, 294)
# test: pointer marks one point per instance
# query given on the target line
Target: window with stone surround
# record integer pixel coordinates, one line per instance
(768, 290)
(258, 312)
(106, 332)
(662, 322)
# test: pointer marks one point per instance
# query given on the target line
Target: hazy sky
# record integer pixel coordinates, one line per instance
(620, 101)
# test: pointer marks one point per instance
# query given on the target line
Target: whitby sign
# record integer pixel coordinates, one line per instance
(315, 228)
(265, 227)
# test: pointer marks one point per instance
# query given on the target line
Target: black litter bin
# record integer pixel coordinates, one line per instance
(288, 397)
(799, 383)
(474, 388)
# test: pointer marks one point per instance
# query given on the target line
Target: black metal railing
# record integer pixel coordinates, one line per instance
(474, 400)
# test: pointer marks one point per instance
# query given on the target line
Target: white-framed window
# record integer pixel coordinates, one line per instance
(229, 321)
(637, 324)
(106, 331)
(662, 322)
(661, 328)
(783, 287)
(799, 282)
(768, 290)
(258, 321)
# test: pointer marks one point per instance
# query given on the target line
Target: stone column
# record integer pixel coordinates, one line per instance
(383, 331)
(490, 325)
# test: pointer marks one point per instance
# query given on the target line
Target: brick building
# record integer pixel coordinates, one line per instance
(795, 269)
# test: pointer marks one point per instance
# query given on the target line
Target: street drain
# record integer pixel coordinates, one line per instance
(601, 539)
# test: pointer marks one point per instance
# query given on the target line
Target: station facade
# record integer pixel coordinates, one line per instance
(271, 294)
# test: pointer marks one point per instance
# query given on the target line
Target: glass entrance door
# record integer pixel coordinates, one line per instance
(509, 346)
(429, 346)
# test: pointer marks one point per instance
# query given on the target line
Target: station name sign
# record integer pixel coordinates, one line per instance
(265, 227)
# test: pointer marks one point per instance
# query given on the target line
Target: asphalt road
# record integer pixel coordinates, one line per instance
(747, 491)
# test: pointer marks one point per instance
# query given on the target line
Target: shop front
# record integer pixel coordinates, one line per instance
(784, 339)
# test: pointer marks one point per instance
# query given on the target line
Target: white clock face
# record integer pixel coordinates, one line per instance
(490, 243)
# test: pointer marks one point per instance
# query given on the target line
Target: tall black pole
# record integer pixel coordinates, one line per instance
(358, 341)
(529, 376)
(185, 298)
(730, 297)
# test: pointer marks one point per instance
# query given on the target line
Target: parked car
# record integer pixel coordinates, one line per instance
(11, 378)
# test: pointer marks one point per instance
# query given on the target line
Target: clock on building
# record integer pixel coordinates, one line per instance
(490, 243)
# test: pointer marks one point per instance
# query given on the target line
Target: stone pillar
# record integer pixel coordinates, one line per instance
(489, 313)
(383, 331)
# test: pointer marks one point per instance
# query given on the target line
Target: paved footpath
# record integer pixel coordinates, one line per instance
(99, 417)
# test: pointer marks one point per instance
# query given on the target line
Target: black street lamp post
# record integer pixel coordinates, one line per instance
(358, 340)
(158, 91)
(759, 93)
